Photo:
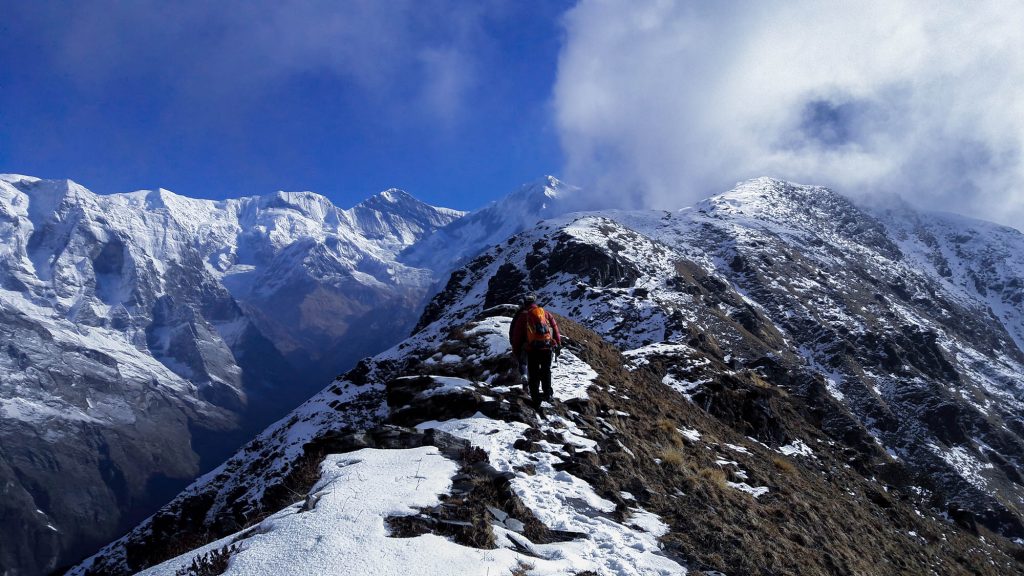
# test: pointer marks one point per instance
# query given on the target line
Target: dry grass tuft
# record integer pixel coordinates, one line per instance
(758, 381)
(783, 464)
(668, 428)
(715, 476)
(665, 425)
(672, 459)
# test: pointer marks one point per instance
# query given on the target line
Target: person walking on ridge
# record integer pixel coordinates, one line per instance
(519, 356)
(535, 332)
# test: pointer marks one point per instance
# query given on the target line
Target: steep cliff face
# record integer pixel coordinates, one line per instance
(768, 382)
(147, 334)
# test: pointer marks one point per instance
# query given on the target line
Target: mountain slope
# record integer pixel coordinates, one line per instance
(621, 475)
(145, 335)
(924, 368)
(764, 383)
(975, 260)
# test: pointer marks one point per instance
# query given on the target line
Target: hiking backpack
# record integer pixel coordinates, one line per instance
(538, 329)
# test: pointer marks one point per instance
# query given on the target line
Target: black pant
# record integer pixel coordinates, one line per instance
(538, 365)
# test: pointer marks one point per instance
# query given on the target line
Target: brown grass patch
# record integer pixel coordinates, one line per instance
(783, 465)
(665, 425)
(672, 459)
(715, 476)
(669, 430)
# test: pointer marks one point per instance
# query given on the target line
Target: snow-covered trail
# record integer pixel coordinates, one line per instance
(341, 526)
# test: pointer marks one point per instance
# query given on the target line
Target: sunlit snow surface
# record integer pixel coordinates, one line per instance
(345, 532)
(342, 528)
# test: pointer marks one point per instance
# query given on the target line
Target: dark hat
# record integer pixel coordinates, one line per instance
(529, 299)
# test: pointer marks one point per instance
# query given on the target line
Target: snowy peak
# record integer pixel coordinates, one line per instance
(542, 198)
(399, 218)
(464, 238)
(770, 199)
(391, 196)
(46, 196)
(309, 204)
(16, 178)
(811, 213)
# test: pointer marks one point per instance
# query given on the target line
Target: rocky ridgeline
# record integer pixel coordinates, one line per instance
(745, 477)
(800, 281)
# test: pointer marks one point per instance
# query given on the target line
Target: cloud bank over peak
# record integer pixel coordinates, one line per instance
(664, 102)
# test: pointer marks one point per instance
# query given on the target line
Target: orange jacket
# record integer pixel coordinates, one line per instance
(517, 334)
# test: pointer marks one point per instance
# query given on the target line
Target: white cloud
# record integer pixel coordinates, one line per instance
(673, 101)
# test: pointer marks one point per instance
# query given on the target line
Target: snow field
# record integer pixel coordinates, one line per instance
(344, 532)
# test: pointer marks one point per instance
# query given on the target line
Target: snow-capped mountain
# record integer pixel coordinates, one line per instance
(926, 365)
(772, 381)
(143, 332)
(452, 245)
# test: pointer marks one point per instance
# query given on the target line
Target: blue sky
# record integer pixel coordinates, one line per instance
(448, 100)
(642, 103)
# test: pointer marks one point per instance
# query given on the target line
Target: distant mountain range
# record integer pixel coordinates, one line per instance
(145, 333)
(774, 380)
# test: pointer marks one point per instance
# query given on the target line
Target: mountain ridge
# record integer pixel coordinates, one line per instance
(816, 338)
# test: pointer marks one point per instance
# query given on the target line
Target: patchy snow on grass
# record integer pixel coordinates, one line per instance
(572, 434)
(564, 502)
(493, 333)
(570, 377)
(966, 465)
(447, 385)
(684, 387)
(647, 521)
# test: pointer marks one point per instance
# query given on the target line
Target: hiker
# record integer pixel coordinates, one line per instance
(519, 355)
(535, 333)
